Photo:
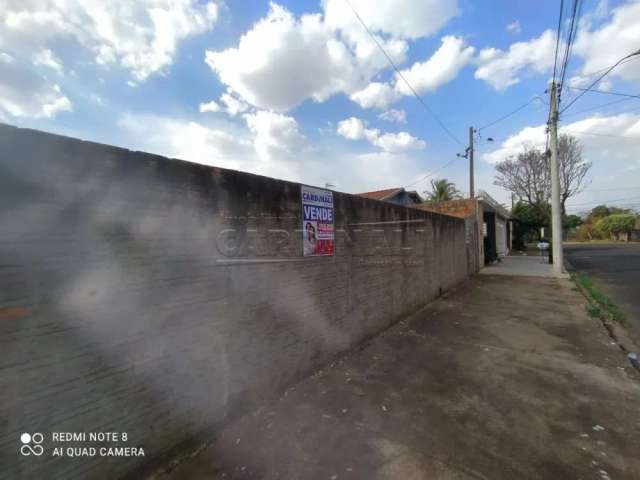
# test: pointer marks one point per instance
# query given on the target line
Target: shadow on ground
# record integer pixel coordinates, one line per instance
(503, 378)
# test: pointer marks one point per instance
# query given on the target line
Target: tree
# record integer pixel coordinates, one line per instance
(616, 225)
(530, 219)
(528, 174)
(592, 229)
(442, 190)
(572, 222)
(573, 169)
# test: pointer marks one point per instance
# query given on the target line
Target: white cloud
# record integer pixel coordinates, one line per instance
(140, 36)
(285, 153)
(609, 142)
(514, 27)
(354, 128)
(270, 143)
(501, 69)
(233, 105)
(47, 58)
(443, 66)
(603, 45)
(409, 19)
(24, 93)
(595, 130)
(276, 136)
(393, 115)
(531, 137)
(399, 142)
(211, 106)
(376, 94)
(187, 140)
(282, 61)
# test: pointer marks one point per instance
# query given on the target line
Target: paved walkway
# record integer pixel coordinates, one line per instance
(503, 378)
(528, 266)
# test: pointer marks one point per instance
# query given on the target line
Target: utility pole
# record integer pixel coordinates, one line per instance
(556, 214)
(471, 185)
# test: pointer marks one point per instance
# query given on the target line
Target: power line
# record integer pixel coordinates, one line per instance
(637, 52)
(431, 174)
(392, 63)
(555, 62)
(606, 93)
(597, 134)
(508, 114)
(567, 53)
(602, 201)
(596, 72)
(597, 107)
(609, 189)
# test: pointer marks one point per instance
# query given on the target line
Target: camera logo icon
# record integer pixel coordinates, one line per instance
(31, 444)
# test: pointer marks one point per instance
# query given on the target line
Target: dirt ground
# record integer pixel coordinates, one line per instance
(502, 378)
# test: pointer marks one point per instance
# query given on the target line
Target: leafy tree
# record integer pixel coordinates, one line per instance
(616, 225)
(530, 219)
(602, 211)
(571, 222)
(442, 190)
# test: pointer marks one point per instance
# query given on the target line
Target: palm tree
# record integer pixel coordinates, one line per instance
(442, 190)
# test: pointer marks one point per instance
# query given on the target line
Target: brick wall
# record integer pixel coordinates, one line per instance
(158, 297)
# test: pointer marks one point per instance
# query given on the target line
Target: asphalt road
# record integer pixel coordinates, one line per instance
(615, 268)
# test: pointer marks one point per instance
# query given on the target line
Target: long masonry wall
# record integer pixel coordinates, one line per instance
(157, 298)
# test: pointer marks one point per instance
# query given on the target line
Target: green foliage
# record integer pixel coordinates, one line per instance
(599, 304)
(529, 220)
(616, 224)
(572, 221)
(602, 211)
(604, 222)
(442, 190)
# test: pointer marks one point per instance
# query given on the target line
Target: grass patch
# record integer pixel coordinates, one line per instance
(599, 305)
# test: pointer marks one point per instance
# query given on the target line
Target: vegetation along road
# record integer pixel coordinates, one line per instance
(615, 269)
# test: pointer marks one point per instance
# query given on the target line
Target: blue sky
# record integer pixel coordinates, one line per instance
(298, 90)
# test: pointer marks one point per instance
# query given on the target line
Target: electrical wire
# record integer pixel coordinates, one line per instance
(596, 72)
(597, 134)
(602, 201)
(606, 93)
(575, 15)
(507, 115)
(555, 62)
(431, 174)
(599, 78)
(392, 63)
(620, 100)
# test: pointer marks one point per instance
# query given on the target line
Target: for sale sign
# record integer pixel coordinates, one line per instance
(318, 232)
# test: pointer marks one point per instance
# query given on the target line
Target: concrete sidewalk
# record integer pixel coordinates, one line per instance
(527, 266)
(503, 378)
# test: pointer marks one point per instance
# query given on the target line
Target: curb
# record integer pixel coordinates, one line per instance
(615, 331)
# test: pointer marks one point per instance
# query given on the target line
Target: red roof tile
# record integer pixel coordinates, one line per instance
(380, 194)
